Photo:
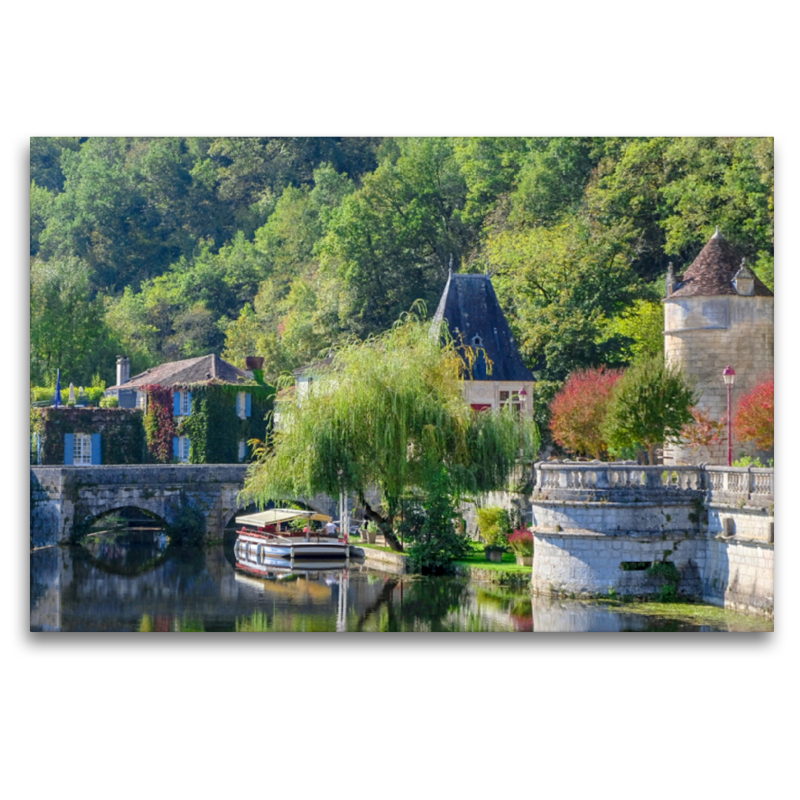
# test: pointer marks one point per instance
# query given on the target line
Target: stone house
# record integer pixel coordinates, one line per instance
(237, 415)
(474, 317)
(718, 313)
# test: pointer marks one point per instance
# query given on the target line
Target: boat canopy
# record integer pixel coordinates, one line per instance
(275, 516)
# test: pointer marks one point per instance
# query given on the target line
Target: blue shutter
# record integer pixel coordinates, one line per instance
(189, 404)
(176, 404)
(96, 459)
(248, 405)
(175, 451)
(69, 448)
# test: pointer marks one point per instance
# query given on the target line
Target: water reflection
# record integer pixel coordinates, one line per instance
(137, 582)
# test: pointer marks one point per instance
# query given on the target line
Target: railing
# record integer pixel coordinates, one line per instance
(745, 483)
(748, 483)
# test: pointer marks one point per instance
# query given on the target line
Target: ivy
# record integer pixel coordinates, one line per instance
(214, 429)
(159, 422)
(122, 436)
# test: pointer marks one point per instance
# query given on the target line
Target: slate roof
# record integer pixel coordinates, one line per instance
(191, 370)
(470, 307)
(711, 273)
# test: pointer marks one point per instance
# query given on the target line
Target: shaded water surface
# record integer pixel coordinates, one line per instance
(132, 581)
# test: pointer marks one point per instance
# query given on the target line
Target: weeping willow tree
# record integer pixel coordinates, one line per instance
(378, 416)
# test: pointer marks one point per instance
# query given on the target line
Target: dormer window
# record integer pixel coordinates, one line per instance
(477, 341)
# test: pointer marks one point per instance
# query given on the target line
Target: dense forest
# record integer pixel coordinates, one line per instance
(168, 248)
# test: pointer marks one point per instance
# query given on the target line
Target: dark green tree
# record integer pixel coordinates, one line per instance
(649, 405)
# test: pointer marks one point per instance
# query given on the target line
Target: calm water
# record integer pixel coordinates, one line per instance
(133, 581)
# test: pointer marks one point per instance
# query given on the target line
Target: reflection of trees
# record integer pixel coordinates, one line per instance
(423, 603)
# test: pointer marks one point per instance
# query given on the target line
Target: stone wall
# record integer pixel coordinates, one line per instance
(600, 527)
(703, 335)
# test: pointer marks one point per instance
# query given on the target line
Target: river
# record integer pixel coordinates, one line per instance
(134, 581)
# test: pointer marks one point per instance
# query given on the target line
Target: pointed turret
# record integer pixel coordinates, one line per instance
(473, 314)
(713, 272)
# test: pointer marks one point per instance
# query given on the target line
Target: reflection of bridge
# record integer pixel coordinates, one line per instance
(66, 499)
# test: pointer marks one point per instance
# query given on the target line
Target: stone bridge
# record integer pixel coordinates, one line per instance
(66, 499)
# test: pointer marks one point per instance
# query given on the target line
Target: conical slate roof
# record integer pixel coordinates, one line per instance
(473, 314)
(711, 273)
(188, 371)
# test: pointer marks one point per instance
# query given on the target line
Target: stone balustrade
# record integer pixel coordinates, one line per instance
(598, 477)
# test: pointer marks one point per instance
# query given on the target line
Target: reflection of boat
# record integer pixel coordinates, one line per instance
(267, 535)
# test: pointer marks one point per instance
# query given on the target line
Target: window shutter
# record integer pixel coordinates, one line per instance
(176, 404)
(189, 404)
(175, 451)
(96, 458)
(248, 404)
(69, 448)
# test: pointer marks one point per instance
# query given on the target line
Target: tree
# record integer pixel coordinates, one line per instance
(384, 411)
(67, 330)
(649, 405)
(578, 411)
(755, 416)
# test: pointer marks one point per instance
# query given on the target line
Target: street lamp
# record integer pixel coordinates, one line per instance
(729, 376)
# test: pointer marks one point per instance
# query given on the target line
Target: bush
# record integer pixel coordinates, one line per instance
(755, 417)
(494, 524)
(649, 405)
(109, 402)
(578, 410)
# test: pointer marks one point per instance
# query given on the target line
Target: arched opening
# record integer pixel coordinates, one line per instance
(125, 540)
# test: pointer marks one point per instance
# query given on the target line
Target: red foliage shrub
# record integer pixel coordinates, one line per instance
(703, 431)
(159, 422)
(578, 410)
(755, 416)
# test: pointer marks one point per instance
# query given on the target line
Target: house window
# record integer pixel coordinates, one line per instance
(242, 403)
(183, 449)
(141, 400)
(82, 453)
(242, 449)
(183, 404)
(512, 399)
(477, 341)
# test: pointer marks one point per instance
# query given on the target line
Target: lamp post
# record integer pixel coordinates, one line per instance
(729, 376)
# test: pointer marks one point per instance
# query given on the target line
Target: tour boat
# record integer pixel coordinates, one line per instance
(263, 537)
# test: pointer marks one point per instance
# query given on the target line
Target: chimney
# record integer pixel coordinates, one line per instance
(123, 370)
(253, 362)
(670, 279)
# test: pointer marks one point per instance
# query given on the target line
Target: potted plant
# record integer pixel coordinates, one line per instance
(494, 552)
(494, 525)
(371, 532)
(521, 542)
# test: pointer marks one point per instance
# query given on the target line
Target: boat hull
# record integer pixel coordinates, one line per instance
(271, 547)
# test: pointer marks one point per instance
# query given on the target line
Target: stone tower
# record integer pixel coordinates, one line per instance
(717, 314)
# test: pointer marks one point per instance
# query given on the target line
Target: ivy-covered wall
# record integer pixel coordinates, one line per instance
(122, 439)
(129, 437)
(214, 428)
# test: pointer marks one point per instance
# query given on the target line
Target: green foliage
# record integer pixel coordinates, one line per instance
(669, 573)
(67, 330)
(494, 524)
(122, 437)
(435, 543)
(378, 416)
(215, 430)
(649, 405)
(109, 402)
(752, 461)
(285, 247)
